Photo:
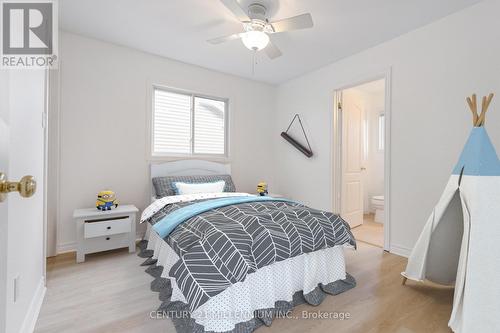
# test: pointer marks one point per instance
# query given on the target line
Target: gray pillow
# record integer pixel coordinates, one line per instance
(164, 186)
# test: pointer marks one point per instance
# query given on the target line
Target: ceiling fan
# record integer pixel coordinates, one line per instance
(257, 27)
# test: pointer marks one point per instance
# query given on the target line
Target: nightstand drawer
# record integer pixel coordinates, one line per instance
(104, 243)
(111, 226)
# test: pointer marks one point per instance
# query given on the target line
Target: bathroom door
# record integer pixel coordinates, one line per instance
(351, 201)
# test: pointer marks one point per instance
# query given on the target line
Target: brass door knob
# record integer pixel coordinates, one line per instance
(26, 186)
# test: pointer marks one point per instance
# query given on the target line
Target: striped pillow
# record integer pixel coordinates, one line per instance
(164, 186)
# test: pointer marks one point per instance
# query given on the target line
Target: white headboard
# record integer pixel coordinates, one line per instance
(187, 168)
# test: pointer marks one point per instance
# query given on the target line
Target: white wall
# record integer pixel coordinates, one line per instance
(103, 110)
(433, 69)
(53, 158)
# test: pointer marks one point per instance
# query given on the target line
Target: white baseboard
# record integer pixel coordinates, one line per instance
(34, 309)
(66, 247)
(399, 250)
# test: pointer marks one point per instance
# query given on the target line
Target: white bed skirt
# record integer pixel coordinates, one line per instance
(260, 290)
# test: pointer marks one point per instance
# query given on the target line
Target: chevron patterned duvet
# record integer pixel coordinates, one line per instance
(221, 247)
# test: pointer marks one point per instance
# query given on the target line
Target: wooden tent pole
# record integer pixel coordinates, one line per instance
(472, 109)
(486, 103)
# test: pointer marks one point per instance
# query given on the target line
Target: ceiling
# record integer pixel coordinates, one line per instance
(178, 29)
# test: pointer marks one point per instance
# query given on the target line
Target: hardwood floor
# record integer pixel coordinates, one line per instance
(370, 231)
(110, 293)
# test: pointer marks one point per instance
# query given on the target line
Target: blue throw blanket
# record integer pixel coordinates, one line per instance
(166, 225)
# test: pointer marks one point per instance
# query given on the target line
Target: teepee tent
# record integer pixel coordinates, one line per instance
(460, 242)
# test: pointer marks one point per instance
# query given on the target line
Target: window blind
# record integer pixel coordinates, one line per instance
(209, 129)
(172, 123)
(186, 124)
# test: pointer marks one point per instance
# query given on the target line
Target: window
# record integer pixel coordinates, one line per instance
(381, 131)
(188, 124)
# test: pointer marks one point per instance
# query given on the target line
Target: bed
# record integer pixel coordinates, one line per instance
(231, 261)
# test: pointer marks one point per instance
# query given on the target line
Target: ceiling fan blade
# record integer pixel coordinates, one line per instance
(235, 8)
(303, 21)
(223, 39)
(272, 51)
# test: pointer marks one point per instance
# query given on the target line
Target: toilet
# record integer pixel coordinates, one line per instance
(378, 207)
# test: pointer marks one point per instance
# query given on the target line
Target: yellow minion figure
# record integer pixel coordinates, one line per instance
(106, 200)
(262, 188)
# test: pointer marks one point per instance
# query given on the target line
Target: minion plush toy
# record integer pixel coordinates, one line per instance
(262, 188)
(106, 200)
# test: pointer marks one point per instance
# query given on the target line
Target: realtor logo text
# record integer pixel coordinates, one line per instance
(29, 34)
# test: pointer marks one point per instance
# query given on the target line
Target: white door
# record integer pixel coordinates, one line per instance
(4, 154)
(22, 107)
(352, 187)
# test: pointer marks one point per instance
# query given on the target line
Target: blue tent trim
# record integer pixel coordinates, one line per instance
(478, 157)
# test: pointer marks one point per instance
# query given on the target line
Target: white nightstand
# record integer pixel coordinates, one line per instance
(100, 231)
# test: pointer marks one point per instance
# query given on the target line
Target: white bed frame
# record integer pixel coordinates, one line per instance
(186, 168)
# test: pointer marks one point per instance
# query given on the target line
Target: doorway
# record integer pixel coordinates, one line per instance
(361, 154)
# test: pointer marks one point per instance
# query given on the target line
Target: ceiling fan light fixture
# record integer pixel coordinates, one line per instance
(258, 25)
(255, 40)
